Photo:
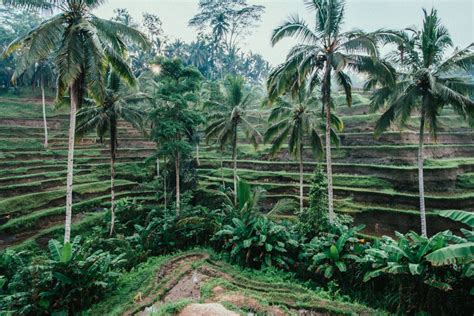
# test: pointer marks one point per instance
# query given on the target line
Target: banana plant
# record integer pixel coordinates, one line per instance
(408, 256)
(253, 238)
(332, 253)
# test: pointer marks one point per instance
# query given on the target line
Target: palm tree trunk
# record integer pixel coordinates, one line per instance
(164, 186)
(301, 178)
(234, 160)
(113, 143)
(326, 96)
(222, 169)
(197, 154)
(157, 167)
(44, 113)
(74, 94)
(420, 175)
(178, 197)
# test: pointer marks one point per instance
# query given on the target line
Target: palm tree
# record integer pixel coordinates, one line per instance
(427, 82)
(118, 103)
(229, 115)
(324, 52)
(41, 74)
(298, 120)
(82, 45)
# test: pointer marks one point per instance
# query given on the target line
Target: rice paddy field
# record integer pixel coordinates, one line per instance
(375, 179)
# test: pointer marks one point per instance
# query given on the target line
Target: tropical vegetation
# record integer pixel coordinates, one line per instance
(199, 172)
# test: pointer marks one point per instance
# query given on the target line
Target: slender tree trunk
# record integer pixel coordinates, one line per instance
(197, 154)
(326, 96)
(74, 94)
(420, 175)
(301, 178)
(44, 113)
(234, 160)
(157, 167)
(164, 186)
(113, 144)
(222, 169)
(178, 193)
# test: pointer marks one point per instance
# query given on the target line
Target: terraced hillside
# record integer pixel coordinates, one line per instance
(375, 179)
(32, 179)
(193, 283)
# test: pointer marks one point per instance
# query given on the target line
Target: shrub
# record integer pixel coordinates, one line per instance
(165, 230)
(405, 264)
(66, 281)
(315, 218)
(331, 254)
(256, 241)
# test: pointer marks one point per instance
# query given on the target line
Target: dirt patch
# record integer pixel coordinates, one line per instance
(246, 302)
(188, 287)
(208, 309)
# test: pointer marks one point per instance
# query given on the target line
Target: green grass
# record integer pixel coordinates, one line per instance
(30, 221)
(20, 110)
(283, 176)
(466, 181)
(23, 203)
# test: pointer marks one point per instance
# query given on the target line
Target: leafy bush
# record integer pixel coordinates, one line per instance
(407, 264)
(256, 241)
(67, 281)
(315, 218)
(164, 230)
(330, 254)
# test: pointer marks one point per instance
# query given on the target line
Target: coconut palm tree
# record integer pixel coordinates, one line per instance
(427, 82)
(41, 74)
(82, 45)
(323, 53)
(118, 103)
(298, 120)
(229, 115)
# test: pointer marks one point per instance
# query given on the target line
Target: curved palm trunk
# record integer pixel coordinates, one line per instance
(301, 178)
(326, 96)
(113, 151)
(74, 94)
(178, 193)
(44, 113)
(234, 161)
(421, 185)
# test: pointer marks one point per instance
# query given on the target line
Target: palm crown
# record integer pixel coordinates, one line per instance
(82, 43)
(298, 120)
(427, 81)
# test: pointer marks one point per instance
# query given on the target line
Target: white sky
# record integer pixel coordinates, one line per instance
(369, 15)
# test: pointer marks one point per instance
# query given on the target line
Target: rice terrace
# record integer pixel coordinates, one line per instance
(236, 157)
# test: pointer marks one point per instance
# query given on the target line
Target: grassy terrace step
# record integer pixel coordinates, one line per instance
(439, 174)
(367, 122)
(464, 201)
(62, 162)
(408, 137)
(397, 138)
(22, 204)
(27, 175)
(55, 229)
(293, 177)
(32, 220)
(400, 154)
(55, 154)
(39, 186)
